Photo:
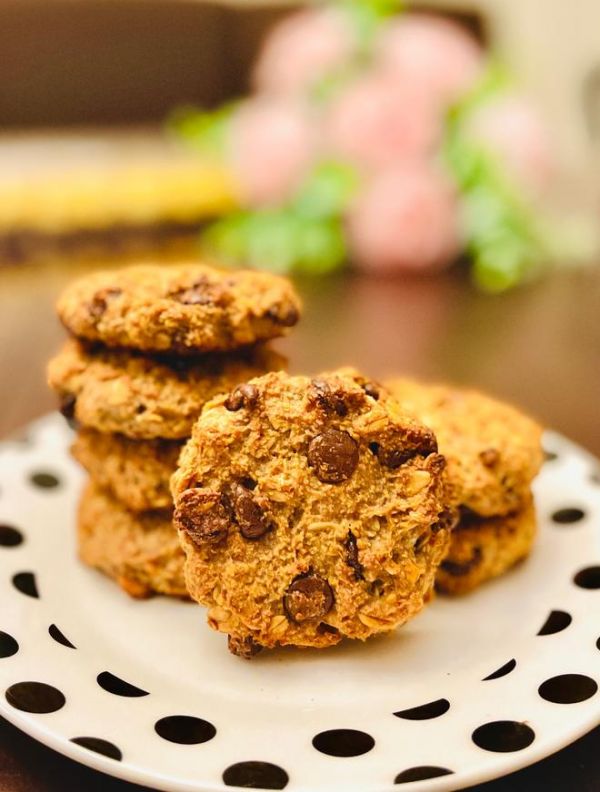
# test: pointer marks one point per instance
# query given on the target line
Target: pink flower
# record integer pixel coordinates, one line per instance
(433, 54)
(272, 148)
(405, 219)
(510, 127)
(303, 48)
(378, 121)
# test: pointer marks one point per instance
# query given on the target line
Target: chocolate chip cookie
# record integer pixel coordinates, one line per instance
(483, 548)
(140, 551)
(144, 398)
(309, 510)
(493, 450)
(136, 472)
(178, 308)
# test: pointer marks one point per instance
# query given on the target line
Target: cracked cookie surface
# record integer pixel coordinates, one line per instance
(142, 397)
(140, 551)
(483, 548)
(309, 510)
(493, 450)
(178, 308)
(136, 472)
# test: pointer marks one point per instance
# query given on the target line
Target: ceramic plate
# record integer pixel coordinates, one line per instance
(472, 689)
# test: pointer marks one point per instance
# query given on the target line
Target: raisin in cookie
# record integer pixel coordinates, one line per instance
(140, 551)
(483, 548)
(143, 398)
(309, 511)
(136, 472)
(493, 450)
(178, 308)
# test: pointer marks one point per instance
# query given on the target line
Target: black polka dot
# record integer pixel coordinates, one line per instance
(556, 622)
(8, 645)
(550, 456)
(588, 578)
(10, 536)
(113, 684)
(568, 688)
(59, 637)
(35, 697)
(25, 583)
(184, 729)
(502, 671)
(568, 515)
(44, 480)
(503, 736)
(343, 742)
(426, 711)
(598, 644)
(421, 774)
(255, 775)
(99, 746)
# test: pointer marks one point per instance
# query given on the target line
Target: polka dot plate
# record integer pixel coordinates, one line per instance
(472, 689)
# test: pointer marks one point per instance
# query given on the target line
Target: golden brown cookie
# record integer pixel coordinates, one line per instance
(136, 472)
(178, 308)
(140, 551)
(493, 450)
(141, 397)
(482, 549)
(309, 511)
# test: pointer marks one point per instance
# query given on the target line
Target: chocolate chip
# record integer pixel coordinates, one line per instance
(99, 302)
(333, 455)
(201, 292)
(327, 629)
(284, 315)
(309, 597)
(328, 398)
(352, 556)
(243, 647)
(371, 390)
(422, 540)
(413, 442)
(203, 515)
(391, 457)
(459, 570)
(249, 512)
(446, 520)
(67, 405)
(489, 457)
(244, 395)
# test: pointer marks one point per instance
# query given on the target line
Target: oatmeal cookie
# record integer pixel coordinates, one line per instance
(178, 308)
(136, 472)
(144, 398)
(493, 450)
(483, 548)
(140, 551)
(309, 511)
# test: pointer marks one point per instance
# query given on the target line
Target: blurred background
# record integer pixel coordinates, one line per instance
(428, 172)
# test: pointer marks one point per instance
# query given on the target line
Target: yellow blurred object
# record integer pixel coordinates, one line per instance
(60, 183)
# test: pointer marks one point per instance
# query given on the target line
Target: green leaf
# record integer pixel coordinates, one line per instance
(321, 246)
(207, 130)
(278, 240)
(328, 190)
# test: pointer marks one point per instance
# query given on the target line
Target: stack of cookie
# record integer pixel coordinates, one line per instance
(151, 345)
(493, 452)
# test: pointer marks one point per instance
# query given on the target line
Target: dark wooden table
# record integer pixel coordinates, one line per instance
(538, 346)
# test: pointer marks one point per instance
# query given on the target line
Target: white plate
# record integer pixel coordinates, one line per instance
(281, 712)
